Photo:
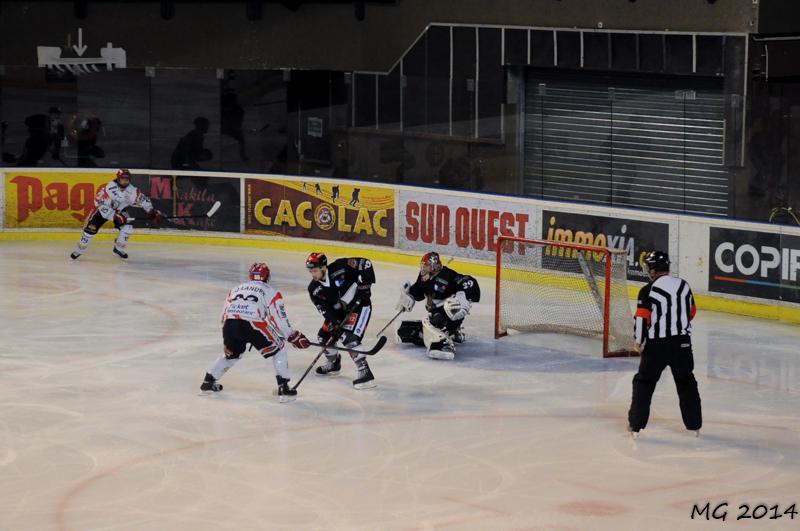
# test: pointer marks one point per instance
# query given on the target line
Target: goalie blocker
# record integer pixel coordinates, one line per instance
(449, 297)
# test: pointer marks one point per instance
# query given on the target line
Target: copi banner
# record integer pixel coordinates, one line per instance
(329, 211)
(757, 264)
(50, 199)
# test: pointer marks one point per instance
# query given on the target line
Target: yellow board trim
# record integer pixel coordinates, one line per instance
(704, 302)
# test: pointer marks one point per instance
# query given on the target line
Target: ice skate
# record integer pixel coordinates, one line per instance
(634, 434)
(443, 350)
(284, 392)
(210, 384)
(75, 255)
(364, 379)
(122, 254)
(459, 336)
(332, 366)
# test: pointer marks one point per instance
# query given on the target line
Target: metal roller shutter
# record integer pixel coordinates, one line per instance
(625, 146)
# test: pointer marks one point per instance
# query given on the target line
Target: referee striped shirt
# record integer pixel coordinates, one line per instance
(665, 309)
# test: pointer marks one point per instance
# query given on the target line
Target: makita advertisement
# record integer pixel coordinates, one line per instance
(635, 237)
(756, 264)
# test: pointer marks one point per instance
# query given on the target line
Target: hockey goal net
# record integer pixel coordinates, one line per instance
(560, 287)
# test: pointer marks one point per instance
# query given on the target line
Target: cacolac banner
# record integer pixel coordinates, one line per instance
(50, 200)
(326, 211)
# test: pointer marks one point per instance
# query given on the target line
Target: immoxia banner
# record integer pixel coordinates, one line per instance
(757, 264)
(634, 236)
(339, 211)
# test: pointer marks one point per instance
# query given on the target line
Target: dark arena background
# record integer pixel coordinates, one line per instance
(543, 148)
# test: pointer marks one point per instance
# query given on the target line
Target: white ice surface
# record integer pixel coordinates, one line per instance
(102, 426)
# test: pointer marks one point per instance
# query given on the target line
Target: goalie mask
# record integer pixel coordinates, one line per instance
(123, 178)
(259, 271)
(430, 265)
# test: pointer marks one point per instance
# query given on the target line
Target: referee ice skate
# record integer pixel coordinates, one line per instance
(663, 330)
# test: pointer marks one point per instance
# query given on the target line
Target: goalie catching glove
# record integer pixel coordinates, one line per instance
(406, 301)
(457, 306)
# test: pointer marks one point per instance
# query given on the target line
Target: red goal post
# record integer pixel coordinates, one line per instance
(562, 287)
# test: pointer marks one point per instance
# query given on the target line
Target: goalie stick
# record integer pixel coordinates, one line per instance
(211, 212)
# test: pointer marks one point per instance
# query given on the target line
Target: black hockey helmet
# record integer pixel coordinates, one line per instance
(657, 261)
(315, 260)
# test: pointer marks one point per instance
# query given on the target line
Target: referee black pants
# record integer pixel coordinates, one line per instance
(676, 353)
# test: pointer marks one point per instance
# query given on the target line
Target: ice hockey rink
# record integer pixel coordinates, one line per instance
(102, 426)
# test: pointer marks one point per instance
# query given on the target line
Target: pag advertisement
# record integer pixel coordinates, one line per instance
(460, 225)
(757, 264)
(50, 199)
(326, 211)
(635, 237)
(194, 196)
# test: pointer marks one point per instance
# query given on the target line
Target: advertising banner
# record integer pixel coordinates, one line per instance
(50, 199)
(327, 211)
(461, 225)
(756, 264)
(193, 196)
(634, 236)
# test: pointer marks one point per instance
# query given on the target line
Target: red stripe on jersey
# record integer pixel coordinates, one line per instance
(263, 328)
(644, 313)
(692, 312)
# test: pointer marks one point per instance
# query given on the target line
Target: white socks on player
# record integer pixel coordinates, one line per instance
(124, 235)
(281, 364)
(221, 367)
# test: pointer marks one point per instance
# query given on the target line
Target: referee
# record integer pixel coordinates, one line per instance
(662, 327)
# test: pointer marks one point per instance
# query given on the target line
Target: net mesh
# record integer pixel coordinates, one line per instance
(544, 288)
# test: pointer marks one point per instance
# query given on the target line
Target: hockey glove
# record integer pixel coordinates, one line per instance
(457, 306)
(120, 219)
(406, 301)
(155, 217)
(326, 332)
(298, 340)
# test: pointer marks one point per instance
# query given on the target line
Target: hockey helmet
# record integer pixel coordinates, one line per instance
(123, 174)
(259, 271)
(430, 265)
(316, 260)
(657, 261)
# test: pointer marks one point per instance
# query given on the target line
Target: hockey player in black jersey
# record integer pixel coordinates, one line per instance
(341, 292)
(449, 295)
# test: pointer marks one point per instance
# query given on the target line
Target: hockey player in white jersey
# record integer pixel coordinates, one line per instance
(109, 205)
(254, 313)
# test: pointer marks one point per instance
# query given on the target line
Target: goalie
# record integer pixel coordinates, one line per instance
(449, 295)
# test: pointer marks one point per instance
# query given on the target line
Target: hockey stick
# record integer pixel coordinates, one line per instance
(371, 352)
(211, 212)
(331, 340)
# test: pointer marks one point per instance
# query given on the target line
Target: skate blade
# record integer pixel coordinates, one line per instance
(333, 373)
(283, 399)
(366, 385)
(441, 355)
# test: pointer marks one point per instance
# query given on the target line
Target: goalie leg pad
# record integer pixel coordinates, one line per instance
(438, 343)
(410, 332)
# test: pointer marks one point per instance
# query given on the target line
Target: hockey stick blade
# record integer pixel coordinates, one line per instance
(371, 352)
(211, 212)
